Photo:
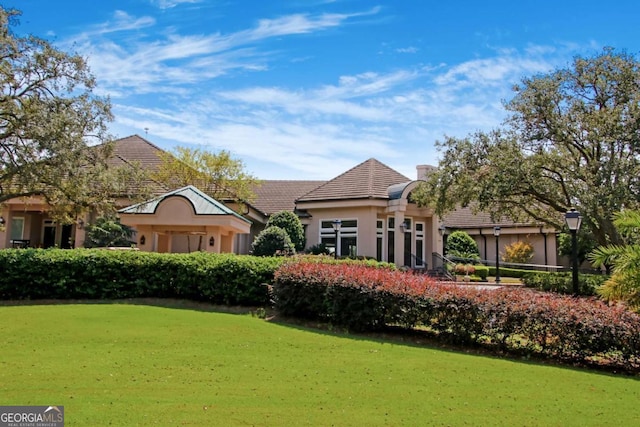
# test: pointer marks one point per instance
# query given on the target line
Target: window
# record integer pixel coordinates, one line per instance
(420, 263)
(379, 239)
(391, 223)
(347, 237)
(17, 228)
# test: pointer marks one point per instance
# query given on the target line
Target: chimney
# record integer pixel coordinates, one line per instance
(424, 171)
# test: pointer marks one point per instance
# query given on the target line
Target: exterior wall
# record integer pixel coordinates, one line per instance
(393, 237)
(39, 230)
(544, 243)
(174, 227)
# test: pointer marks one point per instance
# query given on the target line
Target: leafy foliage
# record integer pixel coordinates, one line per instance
(624, 284)
(108, 232)
(50, 123)
(272, 241)
(290, 223)
(562, 282)
(319, 249)
(461, 245)
(116, 274)
(578, 330)
(518, 252)
(570, 141)
(217, 174)
(586, 244)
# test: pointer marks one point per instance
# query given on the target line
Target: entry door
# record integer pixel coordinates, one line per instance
(49, 238)
(65, 241)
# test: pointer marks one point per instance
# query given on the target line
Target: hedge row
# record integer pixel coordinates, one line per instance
(103, 274)
(563, 282)
(580, 330)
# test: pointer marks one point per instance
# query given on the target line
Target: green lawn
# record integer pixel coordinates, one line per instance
(130, 365)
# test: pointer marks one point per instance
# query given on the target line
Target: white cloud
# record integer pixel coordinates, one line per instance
(121, 21)
(410, 49)
(141, 65)
(318, 132)
(168, 85)
(168, 4)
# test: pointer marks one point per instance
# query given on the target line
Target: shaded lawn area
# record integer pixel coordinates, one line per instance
(120, 364)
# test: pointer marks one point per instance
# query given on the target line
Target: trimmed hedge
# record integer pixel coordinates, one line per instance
(563, 282)
(578, 330)
(516, 273)
(115, 274)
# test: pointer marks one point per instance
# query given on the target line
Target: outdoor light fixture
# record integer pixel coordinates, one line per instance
(404, 226)
(212, 241)
(80, 223)
(142, 240)
(496, 233)
(442, 229)
(336, 224)
(1, 220)
(574, 220)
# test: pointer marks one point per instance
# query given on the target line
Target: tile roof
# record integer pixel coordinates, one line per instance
(370, 179)
(136, 151)
(280, 195)
(466, 218)
(135, 148)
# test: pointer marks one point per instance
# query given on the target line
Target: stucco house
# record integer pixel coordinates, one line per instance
(371, 201)
(480, 226)
(174, 220)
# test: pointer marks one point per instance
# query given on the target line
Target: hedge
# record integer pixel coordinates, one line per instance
(517, 273)
(105, 274)
(563, 282)
(576, 329)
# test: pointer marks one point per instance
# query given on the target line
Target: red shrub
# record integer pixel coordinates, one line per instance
(582, 330)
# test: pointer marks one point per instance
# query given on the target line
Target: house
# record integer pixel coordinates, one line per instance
(27, 222)
(480, 226)
(377, 217)
(184, 220)
(371, 202)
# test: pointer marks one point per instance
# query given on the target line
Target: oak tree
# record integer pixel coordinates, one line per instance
(572, 139)
(52, 127)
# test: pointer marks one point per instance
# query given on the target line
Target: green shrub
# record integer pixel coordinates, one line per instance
(563, 282)
(319, 249)
(290, 223)
(509, 272)
(105, 274)
(482, 271)
(460, 245)
(272, 241)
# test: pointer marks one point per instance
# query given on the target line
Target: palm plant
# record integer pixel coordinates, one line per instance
(624, 283)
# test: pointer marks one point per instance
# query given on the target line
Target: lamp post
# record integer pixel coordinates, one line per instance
(496, 233)
(336, 224)
(573, 220)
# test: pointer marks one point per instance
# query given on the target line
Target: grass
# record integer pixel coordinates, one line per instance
(130, 365)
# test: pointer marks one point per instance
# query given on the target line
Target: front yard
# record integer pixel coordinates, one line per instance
(115, 364)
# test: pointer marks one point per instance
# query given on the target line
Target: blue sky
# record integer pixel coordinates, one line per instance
(307, 89)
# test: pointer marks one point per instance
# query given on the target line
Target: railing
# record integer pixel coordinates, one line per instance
(440, 261)
(440, 266)
(418, 263)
